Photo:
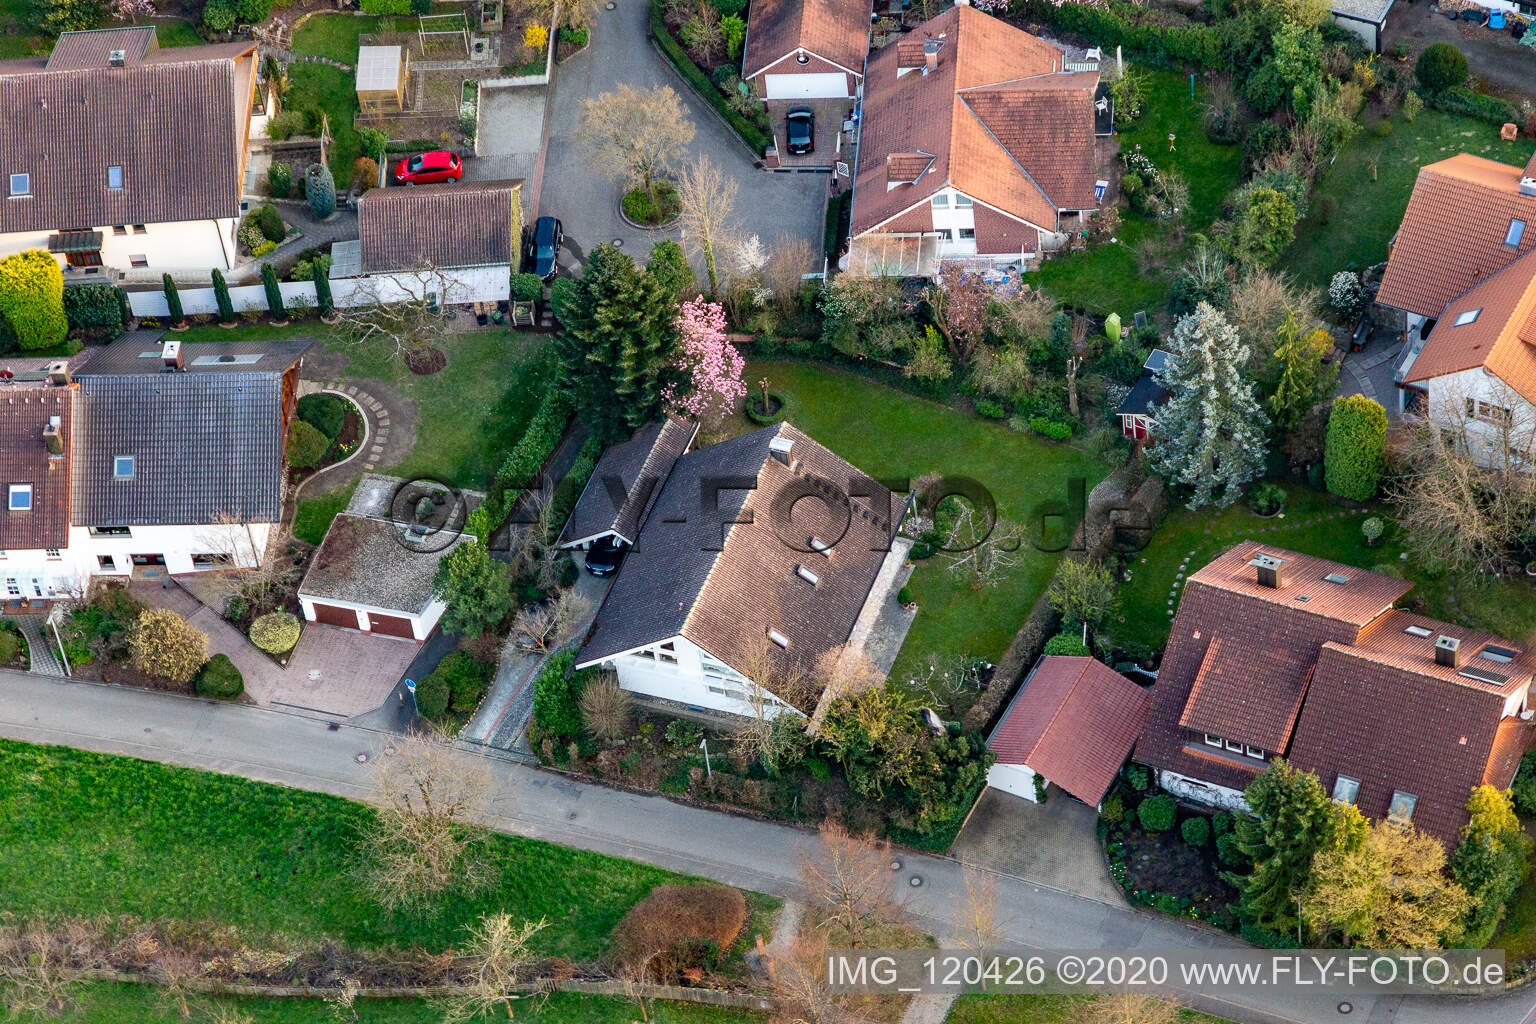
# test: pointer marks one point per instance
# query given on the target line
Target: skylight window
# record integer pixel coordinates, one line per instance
(122, 467)
(20, 497)
(115, 177)
(1419, 631)
(21, 184)
(1502, 655)
(1345, 789)
(807, 575)
(1401, 807)
(1515, 233)
(1336, 577)
(819, 547)
(1467, 316)
(779, 639)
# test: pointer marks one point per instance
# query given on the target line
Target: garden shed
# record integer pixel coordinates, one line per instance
(382, 72)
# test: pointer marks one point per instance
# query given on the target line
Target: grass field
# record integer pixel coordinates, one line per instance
(313, 516)
(1369, 186)
(1108, 277)
(333, 36)
(89, 834)
(1037, 1010)
(889, 433)
(116, 1004)
(321, 87)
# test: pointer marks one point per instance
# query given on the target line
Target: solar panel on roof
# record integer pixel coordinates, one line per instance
(1485, 675)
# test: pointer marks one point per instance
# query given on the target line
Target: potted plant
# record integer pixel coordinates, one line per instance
(1371, 530)
(1266, 500)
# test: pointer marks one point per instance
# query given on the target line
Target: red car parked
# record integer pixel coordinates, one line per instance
(429, 168)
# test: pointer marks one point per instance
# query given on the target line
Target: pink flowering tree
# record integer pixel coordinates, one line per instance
(133, 10)
(710, 363)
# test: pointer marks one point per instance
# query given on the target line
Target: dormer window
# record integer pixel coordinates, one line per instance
(1515, 233)
(779, 639)
(21, 185)
(122, 467)
(115, 178)
(1467, 316)
(20, 498)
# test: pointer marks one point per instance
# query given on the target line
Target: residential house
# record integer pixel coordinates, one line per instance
(1274, 653)
(375, 568)
(123, 156)
(808, 53)
(625, 483)
(758, 557)
(1072, 723)
(1135, 411)
(36, 424)
(1466, 223)
(975, 144)
(457, 242)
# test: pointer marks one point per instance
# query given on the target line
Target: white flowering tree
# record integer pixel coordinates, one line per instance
(1210, 427)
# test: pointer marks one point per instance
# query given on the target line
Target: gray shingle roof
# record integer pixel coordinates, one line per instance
(139, 352)
(203, 445)
(175, 121)
(461, 224)
(642, 465)
(363, 561)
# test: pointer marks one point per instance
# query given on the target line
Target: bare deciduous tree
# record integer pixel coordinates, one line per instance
(769, 681)
(959, 299)
(801, 992)
(424, 836)
(784, 274)
(636, 135)
(34, 976)
(850, 881)
(708, 199)
(981, 548)
(404, 310)
(497, 953)
(259, 574)
(975, 917)
(542, 627)
(1079, 352)
(1027, 313)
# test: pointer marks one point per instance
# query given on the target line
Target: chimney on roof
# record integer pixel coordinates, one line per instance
(170, 355)
(1271, 570)
(780, 448)
(1447, 651)
(53, 438)
(931, 49)
(117, 58)
(58, 373)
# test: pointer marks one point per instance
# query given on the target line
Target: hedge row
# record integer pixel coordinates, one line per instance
(95, 305)
(1467, 103)
(522, 464)
(1114, 24)
(750, 134)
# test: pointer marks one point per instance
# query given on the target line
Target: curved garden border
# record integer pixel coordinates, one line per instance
(362, 445)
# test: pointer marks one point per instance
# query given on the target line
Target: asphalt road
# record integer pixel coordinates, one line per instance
(289, 749)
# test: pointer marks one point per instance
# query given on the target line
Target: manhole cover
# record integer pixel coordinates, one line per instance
(618, 243)
(895, 865)
(610, 5)
(1346, 1007)
(361, 759)
(915, 881)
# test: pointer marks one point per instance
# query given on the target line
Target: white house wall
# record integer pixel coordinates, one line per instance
(244, 544)
(177, 247)
(1447, 407)
(463, 286)
(687, 682)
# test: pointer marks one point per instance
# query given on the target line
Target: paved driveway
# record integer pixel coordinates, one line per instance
(1508, 68)
(1055, 842)
(587, 202)
(511, 129)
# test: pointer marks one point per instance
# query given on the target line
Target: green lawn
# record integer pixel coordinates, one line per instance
(313, 516)
(1054, 1009)
(1107, 277)
(321, 87)
(175, 32)
(114, 1004)
(889, 433)
(333, 36)
(1370, 184)
(16, 37)
(89, 834)
(1313, 524)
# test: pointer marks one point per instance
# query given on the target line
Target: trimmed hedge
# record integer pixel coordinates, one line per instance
(1066, 643)
(1467, 103)
(31, 301)
(1114, 24)
(306, 445)
(220, 678)
(523, 462)
(1354, 448)
(568, 492)
(93, 305)
(276, 632)
(274, 293)
(527, 288)
(750, 133)
(325, 412)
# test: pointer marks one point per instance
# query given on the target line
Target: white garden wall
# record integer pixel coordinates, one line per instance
(471, 284)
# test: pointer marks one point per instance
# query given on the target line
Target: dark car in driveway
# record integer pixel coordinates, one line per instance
(604, 556)
(800, 131)
(544, 246)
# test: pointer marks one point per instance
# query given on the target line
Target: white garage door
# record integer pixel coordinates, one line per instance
(1013, 778)
(788, 87)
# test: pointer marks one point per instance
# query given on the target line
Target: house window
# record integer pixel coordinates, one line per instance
(1212, 741)
(1515, 233)
(20, 498)
(208, 561)
(1466, 316)
(139, 260)
(106, 562)
(941, 201)
(21, 185)
(1345, 789)
(779, 639)
(1234, 746)
(119, 229)
(109, 531)
(967, 234)
(1401, 807)
(1254, 752)
(648, 655)
(115, 178)
(140, 229)
(11, 587)
(122, 467)
(1488, 412)
(53, 554)
(667, 653)
(962, 202)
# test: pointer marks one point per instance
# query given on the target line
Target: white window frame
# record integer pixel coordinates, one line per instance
(118, 168)
(963, 201)
(1467, 316)
(1257, 753)
(25, 189)
(117, 462)
(1487, 412)
(940, 201)
(19, 491)
(1353, 787)
(1234, 746)
(1213, 741)
(1400, 796)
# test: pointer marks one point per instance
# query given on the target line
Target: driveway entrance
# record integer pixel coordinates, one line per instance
(1056, 843)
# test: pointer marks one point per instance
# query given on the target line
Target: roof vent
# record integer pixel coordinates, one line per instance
(1528, 186)
(1447, 651)
(807, 575)
(1271, 570)
(58, 372)
(117, 58)
(780, 447)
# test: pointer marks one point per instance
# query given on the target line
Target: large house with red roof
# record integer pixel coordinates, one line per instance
(976, 144)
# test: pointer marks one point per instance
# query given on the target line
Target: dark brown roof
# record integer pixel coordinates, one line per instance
(140, 352)
(174, 121)
(1452, 235)
(461, 224)
(1074, 721)
(835, 30)
(25, 412)
(93, 49)
(681, 580)
(639, 467)
(1007, 127)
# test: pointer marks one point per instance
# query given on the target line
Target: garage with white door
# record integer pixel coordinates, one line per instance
(805, 86)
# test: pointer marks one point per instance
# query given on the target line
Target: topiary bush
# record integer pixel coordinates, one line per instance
(219, 678)
(273, 291)
(1196, 831)
(365, 173)
(325, 412)
(1441, 66)
(1157, 813)
(556, 692)
(162, 643)
(269, 222)
(433, 696)
(1345, 295)
(172, 300)
(221, 296)
(319, 273)
(32, 301)
(306, 445)
(527, 288)
(1354, 448)
(320, 190)
(276, 632)
(1066, 643)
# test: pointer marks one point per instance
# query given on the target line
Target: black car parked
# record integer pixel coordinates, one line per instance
(604, 556)
(544, 247)
(801, 130)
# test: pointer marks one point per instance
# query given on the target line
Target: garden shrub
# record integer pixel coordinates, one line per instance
(281, 126)
(1355, 447)
(220, 678)
(1345, 295)
(729, 8)
(1440, 67)
(1114, 809)
(10, 644)
(365, 173)
(1157, 813)
(276, 632)
(1196, 831)
(1049, 428)
(574, 37)
(269, 222)
(433, 696)
(273, 292)
(986, 408)
(1221, 823)
(31, 301)
(904, 595)
(173, 311)
(221, 297)
(1229, 851)
(1479, 106)
(463, 679)
(1372, 529)
(280, 181)
(1124, 24)
(319, 273)
(162, 643)
(93, 306)
(675, 922)
(325, 412)
(735, 31)
(556, 693)
(527, 288)
(320, 190)
(306, 445)
(1066, 643)
(1139, 776)
(1523, 789)
(756, 139)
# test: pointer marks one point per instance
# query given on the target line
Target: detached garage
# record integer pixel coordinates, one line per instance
(806, 49)
(1073, 723)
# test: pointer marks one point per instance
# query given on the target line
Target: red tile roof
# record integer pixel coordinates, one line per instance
(835, 30)
(1006, 127)
(1074, 721)
(1225, 700)
(25, 413)
(1452, 235)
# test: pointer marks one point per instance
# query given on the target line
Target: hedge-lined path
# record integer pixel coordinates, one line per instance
(43, 656)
